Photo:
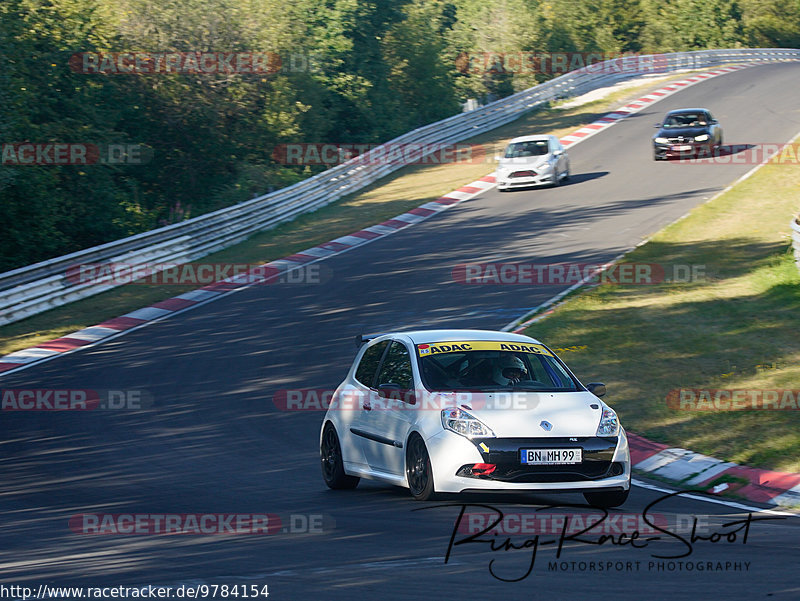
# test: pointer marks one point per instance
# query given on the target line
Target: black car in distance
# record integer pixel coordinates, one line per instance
(687, 133)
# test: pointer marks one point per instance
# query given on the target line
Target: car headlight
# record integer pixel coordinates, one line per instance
(609, 423)
(461, 422)
(662, 141)
(701, 138)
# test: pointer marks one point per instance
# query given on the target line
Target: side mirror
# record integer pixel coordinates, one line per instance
(390, 390)
(657, 125)
(598, 389)
(558, 153)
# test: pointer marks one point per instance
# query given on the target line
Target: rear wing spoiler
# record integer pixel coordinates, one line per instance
(363, 338)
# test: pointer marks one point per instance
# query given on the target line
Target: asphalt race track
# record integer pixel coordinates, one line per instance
(214, 441)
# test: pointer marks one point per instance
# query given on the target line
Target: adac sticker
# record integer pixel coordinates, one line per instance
(480, 345)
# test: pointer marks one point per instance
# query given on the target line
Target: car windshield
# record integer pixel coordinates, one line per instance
(492, 366)
(685, 120)
(526, 149)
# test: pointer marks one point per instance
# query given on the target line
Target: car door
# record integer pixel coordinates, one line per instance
(356, 401)
(384, 425)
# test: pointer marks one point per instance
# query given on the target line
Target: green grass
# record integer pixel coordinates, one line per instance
(735, 328)
(405, 189)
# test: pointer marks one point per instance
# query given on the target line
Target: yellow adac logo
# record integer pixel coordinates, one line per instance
(480, 345)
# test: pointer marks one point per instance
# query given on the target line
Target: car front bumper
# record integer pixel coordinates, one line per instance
(606, 464)
(505, 182)
(688, 149)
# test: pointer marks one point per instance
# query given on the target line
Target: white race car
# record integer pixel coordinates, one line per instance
(448, 411)
(532, 161)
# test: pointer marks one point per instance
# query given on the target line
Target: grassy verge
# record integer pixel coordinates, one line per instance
(405, 189)
(736, 327)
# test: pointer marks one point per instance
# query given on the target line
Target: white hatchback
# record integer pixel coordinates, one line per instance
(532, 161)
(449, 411)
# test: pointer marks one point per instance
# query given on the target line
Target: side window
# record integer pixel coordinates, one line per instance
(537, 372)
(396, 368)
(365, 372)
(549, 373)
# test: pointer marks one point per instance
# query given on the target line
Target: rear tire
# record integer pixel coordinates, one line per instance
(330, 454)
(419, 472)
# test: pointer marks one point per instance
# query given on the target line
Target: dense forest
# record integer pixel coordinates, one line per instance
(347, 71)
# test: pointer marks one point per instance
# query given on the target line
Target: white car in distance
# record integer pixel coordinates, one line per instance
(532, 161)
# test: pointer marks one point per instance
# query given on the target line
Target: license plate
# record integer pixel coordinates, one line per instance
(681, 147)
(550, 456)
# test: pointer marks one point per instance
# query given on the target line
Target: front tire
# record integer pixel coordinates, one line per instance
(330, 454)
(607, 499)
(419, 472)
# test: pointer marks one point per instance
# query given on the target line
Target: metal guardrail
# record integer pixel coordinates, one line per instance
(36, 288)
(796, 240)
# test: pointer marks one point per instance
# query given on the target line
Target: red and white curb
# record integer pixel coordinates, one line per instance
(161, 310)
(86, 337)
(714, 476)
(639, 104)
(674, 464)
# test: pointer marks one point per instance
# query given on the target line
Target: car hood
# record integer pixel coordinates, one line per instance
(520, 414)
(686, 132)
(524, 162)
